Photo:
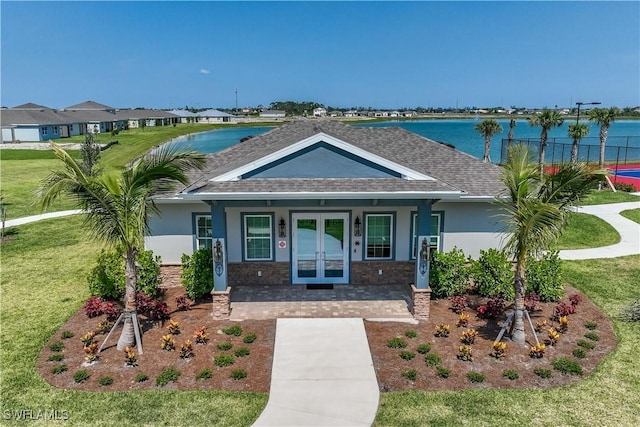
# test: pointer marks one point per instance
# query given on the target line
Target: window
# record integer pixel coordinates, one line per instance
(203, 232)
(43, 130)
(55, 129)
(379, 236)
(434, 239)
(258, 237)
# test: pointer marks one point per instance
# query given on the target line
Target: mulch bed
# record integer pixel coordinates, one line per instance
(387, 362)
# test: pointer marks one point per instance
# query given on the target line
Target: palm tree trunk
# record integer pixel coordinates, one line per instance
(518, 335)
(487, 145)
(127, 338)
(603, 141)
(574, 150)
(543, 146)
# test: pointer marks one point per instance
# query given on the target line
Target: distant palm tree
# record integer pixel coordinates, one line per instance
(577, 131)
(534, 215)
(512, 125)
(118, 206)
(604, 117)
(547, 120)
(487, 129)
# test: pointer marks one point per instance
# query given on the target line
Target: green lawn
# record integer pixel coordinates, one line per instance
(632, 214)
(608, 397)
(43, 283)
(587, 231)
(605, 196)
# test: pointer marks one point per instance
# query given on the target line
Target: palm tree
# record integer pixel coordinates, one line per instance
(577, 131)
(512, 125)
(535, 212)
(487, 129)
(547, 120)
(604, 117)
(118, 207)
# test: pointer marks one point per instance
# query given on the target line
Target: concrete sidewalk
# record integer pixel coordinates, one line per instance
(322, 375)
(34, 218)
(629, 233)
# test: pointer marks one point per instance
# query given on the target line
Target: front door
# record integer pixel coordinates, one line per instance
(320, 247)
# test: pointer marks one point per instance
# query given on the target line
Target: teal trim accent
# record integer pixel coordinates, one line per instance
(243, 215)
(322, 160)
(365, 214)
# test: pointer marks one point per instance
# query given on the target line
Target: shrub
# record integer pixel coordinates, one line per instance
(407, 355)
(186, 350)
(238, 374)
(552, 337)
(149, 273)
(224, 346)
(541, 325)
(469, 336)
(242, 352)
(58, 369)
(130, 357)
(81, 376)
(424, 348)
(564, 324)
(111, 310)
(580, 353)
(235, 330)
(544, 277)
(223, 360)
(498, 349)
(627, 188)
(442, 330)
(168, 343)
(465, 353)
(249, 338)
(562, 309)
(197, 273)
(107, 279)
(201, 336)
(492, 274)
(140, 378)
(167, 375)
(159, 311)
(443, 372)
(586, 344)
(105, 381)
(432, 359)
(88, 338)
(91, 352)
(475, 377)
(410, 333)
(631, 313)
(531, 300)
(537, 351)
(183, 302)
(93, 307)
(57, 357)
(591, 325)
(492, 309)
(511, 374)
(458, 303)
(542, 373)
(103, 327)
(449, 274)
(396, 342)
(592, 336)
(173, 327)
(67, 334)
(567, 366)
(411, 374)
(205, 374)
(463, 320)
(56, 346)
(575, 299)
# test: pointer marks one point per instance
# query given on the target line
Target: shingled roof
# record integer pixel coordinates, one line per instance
(453, 172)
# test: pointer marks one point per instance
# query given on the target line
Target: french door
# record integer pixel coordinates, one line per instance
(320, 247)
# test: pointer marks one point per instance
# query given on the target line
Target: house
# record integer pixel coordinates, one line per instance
(32, 122)
(319, 112)
(325, 202)
(184, 116)
(273, 114)
(215, 116)
(93, 117)
(141, 117)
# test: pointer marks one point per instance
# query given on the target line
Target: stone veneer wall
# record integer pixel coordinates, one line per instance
(170, 274)
(272, 273)
(393, 272)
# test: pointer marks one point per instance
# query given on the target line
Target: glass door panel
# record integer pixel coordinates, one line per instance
(306, 248)
(333, 247)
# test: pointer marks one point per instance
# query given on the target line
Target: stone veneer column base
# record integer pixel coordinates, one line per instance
(421, 299)
(221, 303)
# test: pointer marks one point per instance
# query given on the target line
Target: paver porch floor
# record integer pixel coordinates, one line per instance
(360, 301)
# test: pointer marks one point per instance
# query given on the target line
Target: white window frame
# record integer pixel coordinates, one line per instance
(433, 245)
(246, 238)
(203, 238)
(366, 235)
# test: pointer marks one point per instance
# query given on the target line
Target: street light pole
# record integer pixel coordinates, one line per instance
(584, 103)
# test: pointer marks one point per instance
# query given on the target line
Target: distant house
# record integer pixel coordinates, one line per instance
(273, 114)
(184, 116)
(142, 117)
(319, 112)
(215, 116)
(93, 117)
(394, 114)
(351, 113)
(32, 122)
(409, 114)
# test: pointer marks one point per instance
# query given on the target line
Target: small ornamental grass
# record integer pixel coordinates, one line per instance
(410, 333)
(140, 378)
(238, 374)
(81, 376)
(105, 381)
(579, 353)
(424, 348)
(66, 335)
(411, 374)
(396, 342)
(591, 325)
(169, 374)
(249, 338)
(567, 366)
(57, 346)
(407, 355)
(224, 346)
(432, 359)
(510, 374)
(475, 377)
(443, 372)
(586, 344)
(543, 373)
(58, 369)
(222, 360)
(242, 352)
(204, 374)
(592, 336)
(56, 357)
(235, 330)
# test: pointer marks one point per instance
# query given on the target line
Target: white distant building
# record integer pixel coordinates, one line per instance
(319, 112)
(273, 114)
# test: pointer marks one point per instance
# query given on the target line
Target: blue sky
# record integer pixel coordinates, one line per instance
(378, 54)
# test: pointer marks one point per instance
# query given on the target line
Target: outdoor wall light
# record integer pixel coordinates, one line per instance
(356, 227)
(283, 228)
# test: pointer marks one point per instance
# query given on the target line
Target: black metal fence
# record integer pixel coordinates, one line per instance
(619, 150)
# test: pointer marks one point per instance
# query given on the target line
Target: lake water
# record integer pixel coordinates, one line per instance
(461, 133)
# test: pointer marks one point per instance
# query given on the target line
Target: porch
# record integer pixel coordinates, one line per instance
(362, 301)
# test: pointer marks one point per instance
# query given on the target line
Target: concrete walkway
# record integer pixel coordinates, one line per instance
(322, 375)
(629, 232)
(34, 218)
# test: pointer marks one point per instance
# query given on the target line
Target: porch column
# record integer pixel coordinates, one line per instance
(420, 291)
(221, 294)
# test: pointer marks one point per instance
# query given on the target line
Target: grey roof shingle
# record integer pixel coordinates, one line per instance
(453, 170)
